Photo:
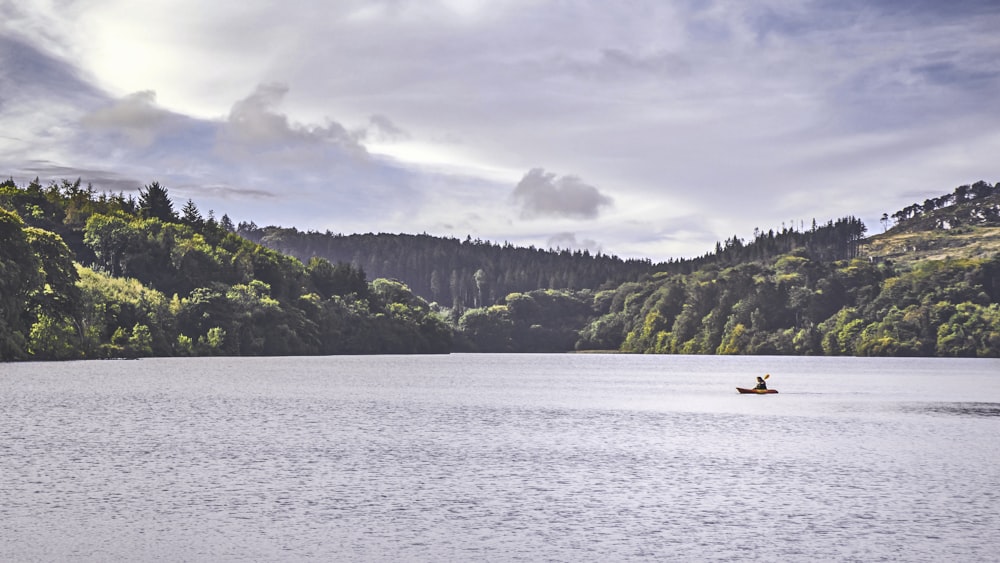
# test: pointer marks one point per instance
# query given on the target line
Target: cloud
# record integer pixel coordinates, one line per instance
(254, 121)
(102, 180)
(34, 74)
(136, 116)
(382, 129)
(543, 194)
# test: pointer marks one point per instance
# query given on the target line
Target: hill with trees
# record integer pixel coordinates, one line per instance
(930, 286)
(89, 275)
(139, 279)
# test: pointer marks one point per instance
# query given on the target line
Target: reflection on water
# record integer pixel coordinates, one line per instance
(498, 458)
(959, 409)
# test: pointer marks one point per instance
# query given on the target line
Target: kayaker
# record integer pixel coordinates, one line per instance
(761, 384)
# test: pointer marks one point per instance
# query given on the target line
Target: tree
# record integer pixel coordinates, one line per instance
(482, 287)
(489, 329)
(111, 238)
(53, 339)
(37, 283)
(58, 296)
(973, 331)
(154, 202)
(342, 279)
(19, 275)
(190, 214)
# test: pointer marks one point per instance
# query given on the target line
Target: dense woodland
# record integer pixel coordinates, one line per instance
(146, 281)
(456, 274)
(85, 274)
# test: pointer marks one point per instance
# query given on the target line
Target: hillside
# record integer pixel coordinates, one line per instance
(968, 229)
(930, 286)
(907, 248)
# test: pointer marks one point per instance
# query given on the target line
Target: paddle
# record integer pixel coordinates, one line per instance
(766, 375)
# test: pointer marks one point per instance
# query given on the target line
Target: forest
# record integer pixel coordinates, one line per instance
(813, 292)
(456, 274)
(138, 279)
(88, 274)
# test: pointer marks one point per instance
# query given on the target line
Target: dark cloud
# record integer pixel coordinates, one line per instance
(102, 180)
(543, 194)
(255, 121)
(31, 73)
(136, 116)
(224, 192)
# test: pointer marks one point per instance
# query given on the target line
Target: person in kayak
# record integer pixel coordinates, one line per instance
(761, 384)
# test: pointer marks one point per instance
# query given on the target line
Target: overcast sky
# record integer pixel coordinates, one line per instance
(644, 129)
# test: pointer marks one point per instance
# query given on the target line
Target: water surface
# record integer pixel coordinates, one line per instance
(500, 458)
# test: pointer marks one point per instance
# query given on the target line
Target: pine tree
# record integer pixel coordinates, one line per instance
(154, 202)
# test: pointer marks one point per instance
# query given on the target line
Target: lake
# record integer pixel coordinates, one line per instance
(568, 457)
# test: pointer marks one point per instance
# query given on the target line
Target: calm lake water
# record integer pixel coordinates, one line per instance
(500, 458)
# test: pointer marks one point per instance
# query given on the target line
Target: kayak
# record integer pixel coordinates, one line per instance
(756, 391)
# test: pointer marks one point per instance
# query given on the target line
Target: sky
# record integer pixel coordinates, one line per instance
(644, 129)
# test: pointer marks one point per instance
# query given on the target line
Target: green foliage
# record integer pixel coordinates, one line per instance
(229, 295)
(962, 207)
(211, 343)
(185, 346)
(972, 331)
(112, 308)
(802, 306)
(58, 294)
(140, 342)
(53, 339)
(19, 276)
(342, 279)
(488, 329)
(536, 321)
(38, 294)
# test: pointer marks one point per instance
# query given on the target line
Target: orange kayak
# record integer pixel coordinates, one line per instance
(756, 391)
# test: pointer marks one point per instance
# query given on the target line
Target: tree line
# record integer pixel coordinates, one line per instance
(792, 306)
(836, 240)
(962, 194)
